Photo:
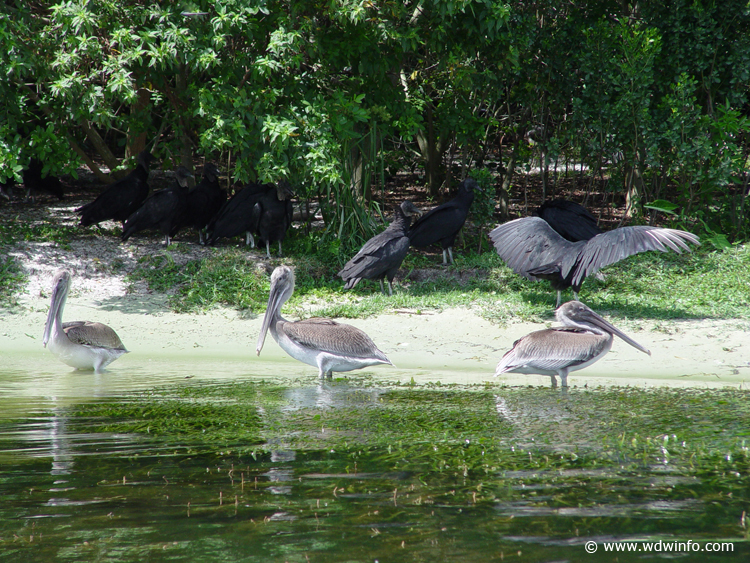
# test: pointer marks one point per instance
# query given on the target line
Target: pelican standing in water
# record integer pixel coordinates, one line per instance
(324, 343)
(584, 338)
(83, 345)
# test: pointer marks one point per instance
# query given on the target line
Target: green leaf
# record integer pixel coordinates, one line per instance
(662, 205)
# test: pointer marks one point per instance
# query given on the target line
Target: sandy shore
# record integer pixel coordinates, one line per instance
(451, 346)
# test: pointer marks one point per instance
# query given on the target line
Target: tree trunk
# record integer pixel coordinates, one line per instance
(503, 196)
(636, 188)
(357, 165)
(431, 147)
(137, 139)
(101, 147)
(186, 145)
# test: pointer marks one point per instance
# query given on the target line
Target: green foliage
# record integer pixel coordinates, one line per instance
(649, 96)
(611, 109)
(703, 157)
(482, 211)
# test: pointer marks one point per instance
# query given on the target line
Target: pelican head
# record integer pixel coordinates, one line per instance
(60, 287)
(577, 315)
(282, 287)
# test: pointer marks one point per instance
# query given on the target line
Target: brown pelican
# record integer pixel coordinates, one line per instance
(80, 344)
(534, 250)
(584, 338)
(324, 343)
(442, 224)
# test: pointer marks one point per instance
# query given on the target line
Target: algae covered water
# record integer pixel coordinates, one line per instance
(361, 470)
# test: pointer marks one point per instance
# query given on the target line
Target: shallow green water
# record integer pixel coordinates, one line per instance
(358, 470)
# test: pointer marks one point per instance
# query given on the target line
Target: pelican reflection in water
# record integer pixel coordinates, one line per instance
(324, 343)
(584, 338)
(83, 345)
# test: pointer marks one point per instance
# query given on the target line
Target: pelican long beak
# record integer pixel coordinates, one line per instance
(48, 326)
(599, 321)
(58, 299)
(274, 304)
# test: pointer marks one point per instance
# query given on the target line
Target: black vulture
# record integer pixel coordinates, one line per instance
(122, 198)
(34, 182)
(6, 188)
(234, 217)
(531, 248)
(203, 202)
(162, 210)
(442, 224)
(571, 220)
(381, 256)
(272, 215)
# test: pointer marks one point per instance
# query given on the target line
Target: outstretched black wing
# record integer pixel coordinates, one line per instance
(613, 246)
(530, 243)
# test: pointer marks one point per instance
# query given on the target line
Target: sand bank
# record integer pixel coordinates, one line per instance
(450, 346)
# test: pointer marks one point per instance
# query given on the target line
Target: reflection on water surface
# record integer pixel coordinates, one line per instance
(355, 470)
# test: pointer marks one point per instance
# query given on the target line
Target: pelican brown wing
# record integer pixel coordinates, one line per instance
(550, 349)
(89, 333)
(329, 336)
